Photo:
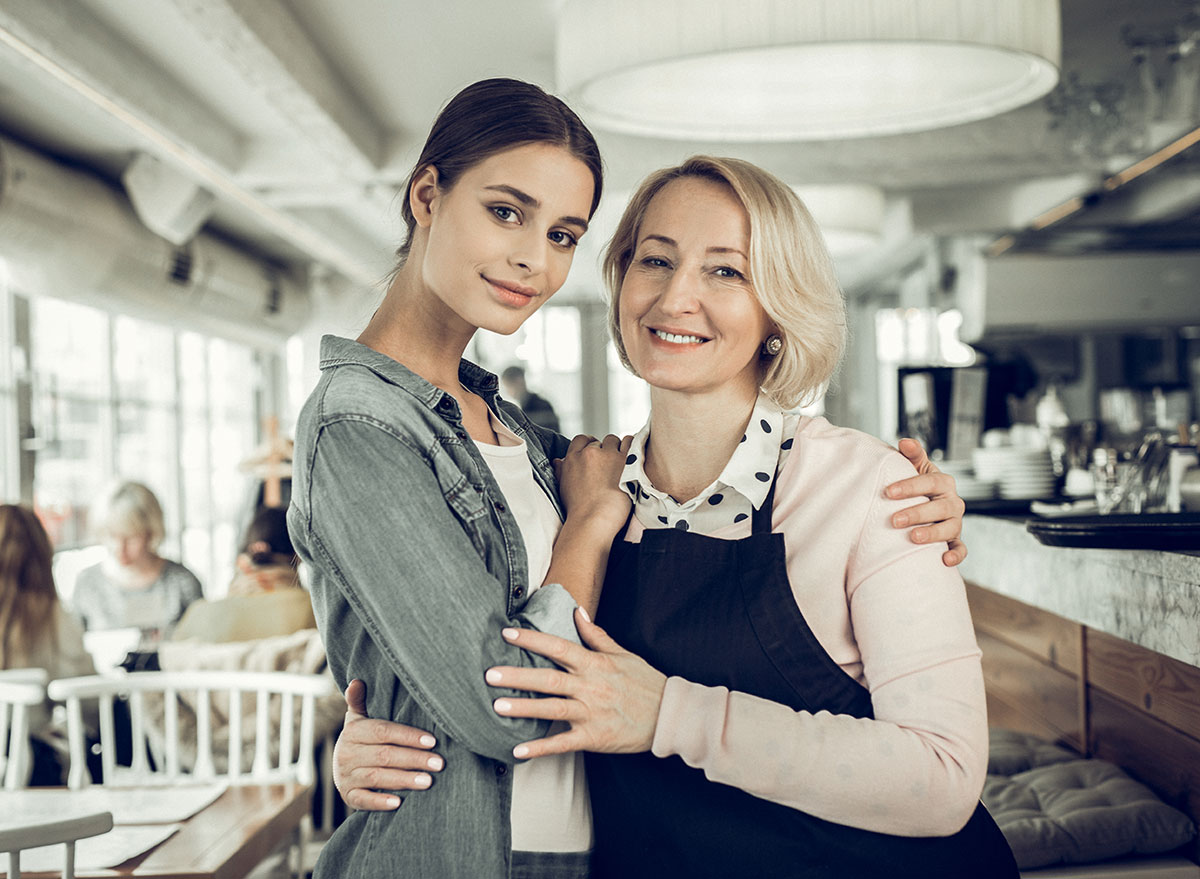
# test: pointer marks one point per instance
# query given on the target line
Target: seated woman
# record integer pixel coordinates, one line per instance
(265, 597)
(36, 631)
(804, 694)
(133, 587)
(266, 623)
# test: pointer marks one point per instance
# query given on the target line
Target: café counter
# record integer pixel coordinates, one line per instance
(1148, 597)
(1096, 649)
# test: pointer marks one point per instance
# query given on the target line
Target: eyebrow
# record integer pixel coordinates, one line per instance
(673, 243)
(530, 202)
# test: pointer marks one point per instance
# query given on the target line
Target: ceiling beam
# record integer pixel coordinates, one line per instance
(67, 43)
(262, 41)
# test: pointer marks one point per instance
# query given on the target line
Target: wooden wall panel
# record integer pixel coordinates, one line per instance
(1164, 688)
(1154, 752)
(1041, 633)
(1044, 697)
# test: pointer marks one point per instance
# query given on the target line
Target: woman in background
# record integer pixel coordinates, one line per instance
(265, 597)
(133, 586)
(36, 631)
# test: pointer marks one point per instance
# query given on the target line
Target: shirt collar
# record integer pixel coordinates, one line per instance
(750, 468)
(336, 351)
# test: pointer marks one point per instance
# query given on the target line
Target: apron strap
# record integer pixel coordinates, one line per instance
(761, 523)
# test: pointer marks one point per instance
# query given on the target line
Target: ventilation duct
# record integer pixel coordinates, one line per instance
(1043, 293)
(66, 233)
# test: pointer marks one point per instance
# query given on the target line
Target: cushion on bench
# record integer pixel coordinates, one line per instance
(1010, 752)
(1081, 811)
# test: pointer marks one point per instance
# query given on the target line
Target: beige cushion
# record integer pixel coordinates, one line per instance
(1010, 752)
(1079, 812)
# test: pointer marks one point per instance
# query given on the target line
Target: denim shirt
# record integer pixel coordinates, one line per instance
(417, 564)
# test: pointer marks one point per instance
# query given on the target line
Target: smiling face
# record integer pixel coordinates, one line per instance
(689, 318)
(499, 242)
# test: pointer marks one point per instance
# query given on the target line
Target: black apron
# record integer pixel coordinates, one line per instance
(722, 613)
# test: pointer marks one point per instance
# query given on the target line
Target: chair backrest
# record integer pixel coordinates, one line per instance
(16, 836)
(20, 690)
(165, 705)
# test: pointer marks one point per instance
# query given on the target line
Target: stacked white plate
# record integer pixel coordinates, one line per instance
(969, 486)
(1020, 473)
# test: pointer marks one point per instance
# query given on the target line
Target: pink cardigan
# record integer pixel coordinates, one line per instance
(894, 618)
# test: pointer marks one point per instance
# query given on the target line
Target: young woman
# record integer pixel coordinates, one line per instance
(427, 508)
(803, 696)
(428, 511)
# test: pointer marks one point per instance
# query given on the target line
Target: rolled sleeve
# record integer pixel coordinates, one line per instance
(385, 542)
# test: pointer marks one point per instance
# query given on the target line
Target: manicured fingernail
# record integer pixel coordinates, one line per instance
(583, 613)
(423, 780)
(901, 519)
(428, 741)
(920, 535)
(520, 750)
(492, 676)
(435, 763)
(392, 802)
(502, 705)
(510, 634)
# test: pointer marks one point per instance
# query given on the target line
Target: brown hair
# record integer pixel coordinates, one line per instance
(791, 272)
(491, 116)
(27, 595)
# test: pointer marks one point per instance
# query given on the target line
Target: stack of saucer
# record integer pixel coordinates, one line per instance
(969, 486)
(1020, 473)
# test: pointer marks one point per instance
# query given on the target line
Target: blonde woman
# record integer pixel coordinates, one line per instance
(133, 586)
(36, 631)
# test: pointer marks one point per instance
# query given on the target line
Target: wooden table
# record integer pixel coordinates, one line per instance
(224, 841)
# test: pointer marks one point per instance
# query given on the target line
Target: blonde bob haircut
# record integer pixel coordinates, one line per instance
(130, 508)
(791, 273)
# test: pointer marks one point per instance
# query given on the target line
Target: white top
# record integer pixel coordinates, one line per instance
(550, 807)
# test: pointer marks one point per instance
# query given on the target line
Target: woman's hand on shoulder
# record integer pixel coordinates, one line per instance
(940, 517)
(373, 755)
(589, 481)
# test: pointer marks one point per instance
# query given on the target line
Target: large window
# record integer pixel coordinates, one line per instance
(115, 397)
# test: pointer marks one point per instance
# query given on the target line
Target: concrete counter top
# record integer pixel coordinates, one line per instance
(1148, 597)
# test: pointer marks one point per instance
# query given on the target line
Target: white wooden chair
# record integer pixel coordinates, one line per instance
(282, 750)
(16, 837)
(20, 690)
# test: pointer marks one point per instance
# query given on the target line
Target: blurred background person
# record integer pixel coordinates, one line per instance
(36, 631)
(537, 408)
(133, 586)
(265, 597)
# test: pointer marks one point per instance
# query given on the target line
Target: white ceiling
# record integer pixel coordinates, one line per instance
(303, 116)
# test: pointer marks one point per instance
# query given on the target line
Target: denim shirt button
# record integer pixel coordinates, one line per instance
(501, 771)
(500, 508)
(461, 434)
(518, 591)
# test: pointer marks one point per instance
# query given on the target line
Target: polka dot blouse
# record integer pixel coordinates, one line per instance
(734, 495)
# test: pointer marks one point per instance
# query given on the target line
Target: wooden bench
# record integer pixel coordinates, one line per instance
(1097, 694)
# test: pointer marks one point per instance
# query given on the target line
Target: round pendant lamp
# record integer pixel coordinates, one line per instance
(780, 70)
